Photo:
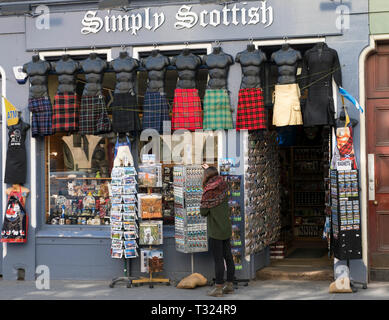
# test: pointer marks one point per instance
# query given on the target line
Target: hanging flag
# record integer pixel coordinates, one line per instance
(349, 97)
(12, 113)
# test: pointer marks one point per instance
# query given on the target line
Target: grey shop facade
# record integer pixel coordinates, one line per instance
(76, 251)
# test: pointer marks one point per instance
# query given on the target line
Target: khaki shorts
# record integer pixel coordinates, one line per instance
(286, 110)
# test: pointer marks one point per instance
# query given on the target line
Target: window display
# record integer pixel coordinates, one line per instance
(78, 189)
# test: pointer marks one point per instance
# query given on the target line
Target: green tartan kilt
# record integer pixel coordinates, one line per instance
(217, 110)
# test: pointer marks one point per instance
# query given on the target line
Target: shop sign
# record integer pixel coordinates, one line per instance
(186, 17)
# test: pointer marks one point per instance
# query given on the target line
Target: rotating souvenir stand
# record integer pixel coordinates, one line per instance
(124, 220)
(346, 217)
(150, 229)
(190, 226)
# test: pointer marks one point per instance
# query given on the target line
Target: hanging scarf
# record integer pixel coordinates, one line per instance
(215, 191)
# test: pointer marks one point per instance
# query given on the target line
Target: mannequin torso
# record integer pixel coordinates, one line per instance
(250, 61)
(125, 68)
(37, 71)
(218, 64)
(66, 68)
(186, 64)
(156, 64)
(286, 59)
(93, 67)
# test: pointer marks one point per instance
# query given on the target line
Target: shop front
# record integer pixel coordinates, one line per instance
(70, 175)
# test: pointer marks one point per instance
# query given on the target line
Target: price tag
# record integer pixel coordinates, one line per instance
(148, 158)
(344, 165)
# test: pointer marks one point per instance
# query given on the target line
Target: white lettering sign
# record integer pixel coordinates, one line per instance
(186, 18)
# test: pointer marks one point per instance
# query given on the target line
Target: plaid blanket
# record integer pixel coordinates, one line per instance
(93, 116)
(41, 109)
(251, 112)
(66, 112)
(187, 112)
(155, 111)
(125, 115)
(217, 110)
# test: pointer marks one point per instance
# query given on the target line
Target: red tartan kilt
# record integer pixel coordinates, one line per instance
(187, 111)
(251, 113)
(66, 112)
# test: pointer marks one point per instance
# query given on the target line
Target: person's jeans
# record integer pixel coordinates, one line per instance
(221, 250)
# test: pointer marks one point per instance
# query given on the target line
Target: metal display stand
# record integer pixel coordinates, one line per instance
(127, 278)
(345, 218)
(150, 280)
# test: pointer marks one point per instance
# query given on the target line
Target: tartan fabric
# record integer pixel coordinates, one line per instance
(125, 115)
(155, 111)
(251, 112)
(66, 112)
(217, 110)
(346, 147)
(187, 112)
(93, 116)
(41, 124)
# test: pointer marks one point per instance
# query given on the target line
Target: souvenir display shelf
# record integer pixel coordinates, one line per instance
(151, 224)
(124, 225)
(76, 200)
(190, 226)
(346, 218)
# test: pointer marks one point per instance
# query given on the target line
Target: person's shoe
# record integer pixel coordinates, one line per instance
(217, 291)
(228, 287)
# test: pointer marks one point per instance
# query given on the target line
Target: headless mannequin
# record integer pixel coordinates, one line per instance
(218, 64)
(66, 68)
(93, 67)
(250, 61)
(186, 64)
(37, 71)
(156, 64)
(18, 188)
(341, 121)
(125, 68)
(286, 59)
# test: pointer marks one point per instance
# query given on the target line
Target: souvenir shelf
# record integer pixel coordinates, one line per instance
(150, 214)
(345, 217)
(190, 226)
(124, 225)
(79, 200)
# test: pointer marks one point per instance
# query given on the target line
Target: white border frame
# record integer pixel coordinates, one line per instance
(4, 145)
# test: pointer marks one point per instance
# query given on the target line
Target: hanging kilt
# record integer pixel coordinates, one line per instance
(125, 115)
(94, 116)
(187, 112)
(155, 111)
(217, 110)
(41, 110)
(66, 112)
(251, 111)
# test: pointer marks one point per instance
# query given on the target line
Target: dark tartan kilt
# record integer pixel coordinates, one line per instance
(41, 123)
(125, 113)
(66, 112)
(155, 111)
(251, 111)
(94, 116)
(187, 111)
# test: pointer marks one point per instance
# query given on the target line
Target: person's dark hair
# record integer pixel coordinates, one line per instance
(209, 173)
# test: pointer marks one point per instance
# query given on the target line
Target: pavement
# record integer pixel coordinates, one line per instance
(256, 290)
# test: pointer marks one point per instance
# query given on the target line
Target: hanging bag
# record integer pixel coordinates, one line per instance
(123, 156)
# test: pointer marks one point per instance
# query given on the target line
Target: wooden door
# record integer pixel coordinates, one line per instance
(377, 128)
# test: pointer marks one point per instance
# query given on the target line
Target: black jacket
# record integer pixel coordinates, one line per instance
(316, 76)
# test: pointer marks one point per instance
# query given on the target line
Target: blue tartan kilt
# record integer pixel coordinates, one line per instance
(155, 111)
